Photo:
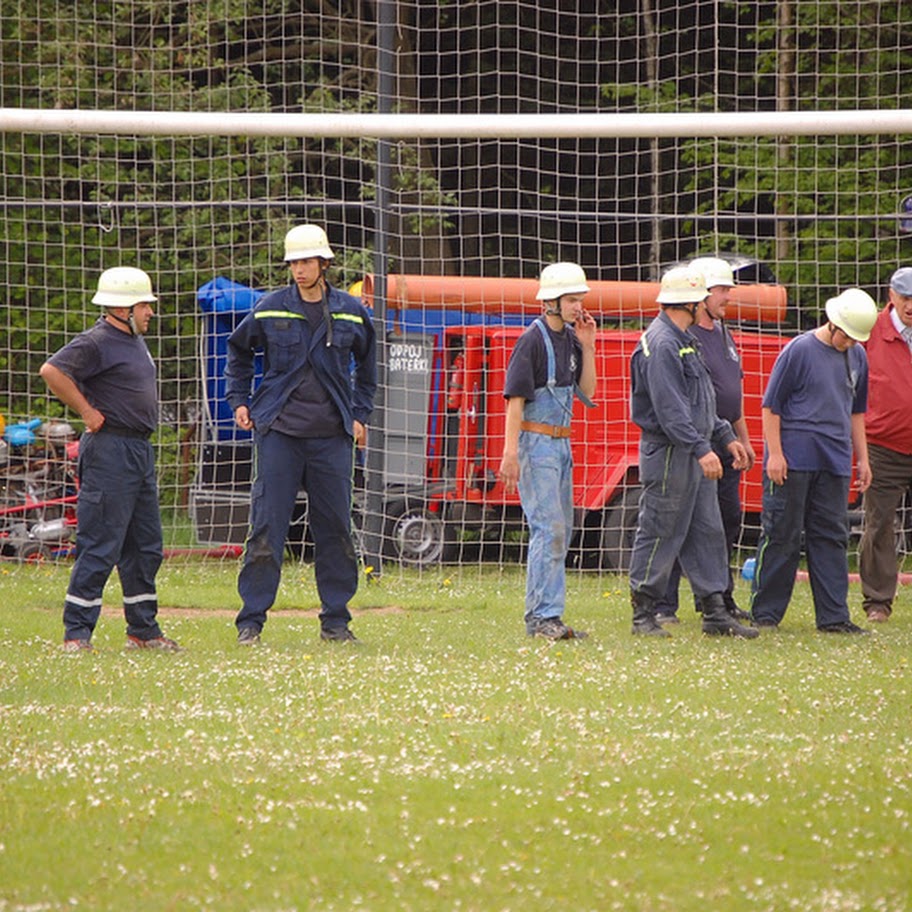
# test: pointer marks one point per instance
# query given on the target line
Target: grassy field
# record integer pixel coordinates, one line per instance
(447, 761)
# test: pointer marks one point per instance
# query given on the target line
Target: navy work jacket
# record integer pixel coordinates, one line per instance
(278, 328)
(672, 398)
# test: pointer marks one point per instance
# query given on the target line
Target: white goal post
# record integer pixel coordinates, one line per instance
(116, 193)
(460, 126)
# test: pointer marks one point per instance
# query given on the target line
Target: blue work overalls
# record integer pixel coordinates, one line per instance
(546, 493)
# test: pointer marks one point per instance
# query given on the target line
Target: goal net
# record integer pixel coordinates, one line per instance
(450, 151)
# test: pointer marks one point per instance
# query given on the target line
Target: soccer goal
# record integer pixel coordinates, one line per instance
(450, 151)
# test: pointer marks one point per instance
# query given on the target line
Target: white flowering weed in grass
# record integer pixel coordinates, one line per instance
(448, 761)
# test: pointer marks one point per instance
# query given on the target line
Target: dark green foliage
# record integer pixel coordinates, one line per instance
(821, 210)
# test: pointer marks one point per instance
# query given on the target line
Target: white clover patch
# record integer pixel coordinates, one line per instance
(459, 764)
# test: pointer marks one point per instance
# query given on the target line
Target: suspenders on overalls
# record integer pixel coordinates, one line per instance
(552, 408)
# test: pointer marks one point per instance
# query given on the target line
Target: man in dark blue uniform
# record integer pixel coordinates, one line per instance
(673, 402)
(107, 375)
(722, 360)
(307, 414)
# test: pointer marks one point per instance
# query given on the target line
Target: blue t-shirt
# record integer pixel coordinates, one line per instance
(116, 374)
(815, 390)
(724, 364)
(527, 370)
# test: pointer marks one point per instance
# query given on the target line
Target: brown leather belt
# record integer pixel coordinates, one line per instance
(549, 430)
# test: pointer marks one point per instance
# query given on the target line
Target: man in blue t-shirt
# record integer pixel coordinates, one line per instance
(813, 419)
(107, 375)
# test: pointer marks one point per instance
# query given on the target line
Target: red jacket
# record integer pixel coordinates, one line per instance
(888, 421)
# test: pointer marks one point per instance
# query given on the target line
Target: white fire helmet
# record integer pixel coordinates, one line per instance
(682, 285)
(123, 286)
(561, 279)
(854, 312)
(716, 271)
(305, 241)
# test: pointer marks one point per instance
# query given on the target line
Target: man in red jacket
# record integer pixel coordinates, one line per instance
(888, 423)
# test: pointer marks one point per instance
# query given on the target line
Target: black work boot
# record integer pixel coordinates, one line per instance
(644, 617)
(731, 606)
(718, 621)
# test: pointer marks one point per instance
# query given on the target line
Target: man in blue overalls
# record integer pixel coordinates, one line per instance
(553, 359)
(308, 412)
(673, 402)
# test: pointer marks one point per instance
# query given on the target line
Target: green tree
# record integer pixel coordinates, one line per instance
(835, 198)
(187, 209)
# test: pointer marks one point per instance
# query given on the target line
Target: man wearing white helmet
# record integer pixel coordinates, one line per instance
(107, 375)
(888, 426)
(721, 357)
(673, 402)
(813, 420)
(307, 413)
(553, 360)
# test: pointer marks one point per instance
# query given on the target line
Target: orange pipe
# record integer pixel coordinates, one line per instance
(758, 303)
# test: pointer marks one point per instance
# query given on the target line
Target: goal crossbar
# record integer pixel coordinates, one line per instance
(458, 126)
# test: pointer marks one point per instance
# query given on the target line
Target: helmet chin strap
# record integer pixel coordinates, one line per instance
(553, 309)
(690, 308)
(130, 323)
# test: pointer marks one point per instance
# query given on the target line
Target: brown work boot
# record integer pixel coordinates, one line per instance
(161, 643)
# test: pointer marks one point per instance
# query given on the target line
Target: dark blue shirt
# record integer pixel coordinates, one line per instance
(309, 411)
(528, 367)
(116, 374)
(724, 364)
(815, 390)
(294, 354)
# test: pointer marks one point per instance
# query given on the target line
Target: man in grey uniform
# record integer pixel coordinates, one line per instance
(673, 402)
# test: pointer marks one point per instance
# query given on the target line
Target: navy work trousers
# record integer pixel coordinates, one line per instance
(322, 466)
(815, 503)
(679, 520)
(118, 524)
(728, 490)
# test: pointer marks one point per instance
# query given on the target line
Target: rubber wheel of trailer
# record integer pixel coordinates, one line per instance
(33, 553)
(415, 536)
(619, 522)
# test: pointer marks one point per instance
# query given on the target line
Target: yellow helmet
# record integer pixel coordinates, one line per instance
(682, 285)
(716, 271)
